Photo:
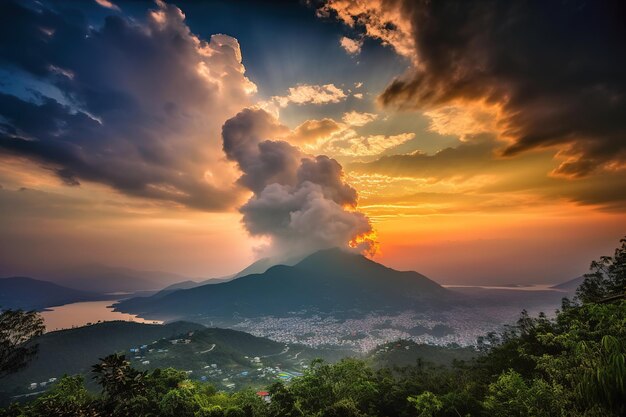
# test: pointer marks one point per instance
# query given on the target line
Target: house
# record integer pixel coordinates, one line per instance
(265, 396)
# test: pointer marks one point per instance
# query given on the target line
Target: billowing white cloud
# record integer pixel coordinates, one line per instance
(300, 202)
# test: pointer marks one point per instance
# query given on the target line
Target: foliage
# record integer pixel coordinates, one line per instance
(17, 327)
(607, 278)
(427, 404)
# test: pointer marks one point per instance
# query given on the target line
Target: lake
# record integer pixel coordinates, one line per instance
(79, 314)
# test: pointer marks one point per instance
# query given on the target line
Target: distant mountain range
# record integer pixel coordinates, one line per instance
(330, 280)
(33, 294)
(106, 279)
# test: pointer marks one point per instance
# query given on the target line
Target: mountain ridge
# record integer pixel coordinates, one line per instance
(328, 280)
(28, 293)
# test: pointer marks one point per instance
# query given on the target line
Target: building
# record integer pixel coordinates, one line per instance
(265, 396)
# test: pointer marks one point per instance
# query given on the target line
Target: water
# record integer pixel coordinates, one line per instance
(80, 314)
(530, 287)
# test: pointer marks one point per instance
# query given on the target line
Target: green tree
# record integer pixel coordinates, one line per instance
(123, 387)
(427, 404)
(607, 279)
(283, 402)
(511, 396)
(17, 328)
(178, 402)
(324, 385)
(67, 398)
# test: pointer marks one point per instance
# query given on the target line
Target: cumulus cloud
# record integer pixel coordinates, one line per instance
(138, 104)
(351, 46)
(553, 68)
(300, 202)
(354, 118)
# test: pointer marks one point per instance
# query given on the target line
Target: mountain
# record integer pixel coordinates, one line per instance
(263, 264)
(327, 281)
(74, 351)
(571, 285)
(33, 294)
(185, 285)
(107, 279)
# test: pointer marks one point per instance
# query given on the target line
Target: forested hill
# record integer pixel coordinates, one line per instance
(74, 351)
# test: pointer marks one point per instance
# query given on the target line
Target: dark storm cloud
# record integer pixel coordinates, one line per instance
(300, 201)
(140, 104)
(556, 68)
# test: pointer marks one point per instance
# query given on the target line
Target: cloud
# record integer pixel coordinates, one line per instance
(341, 139)
(138, 105)
(351, 46)
(300, 202)
(107, 4)
(472, 177)
(349, 143)
(379, 19)
(464, 161)
(313, 130)
(334, 138)
(354, 118)
(552, 67)
(305, 94)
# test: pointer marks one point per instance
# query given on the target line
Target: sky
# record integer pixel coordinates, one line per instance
(477, 142)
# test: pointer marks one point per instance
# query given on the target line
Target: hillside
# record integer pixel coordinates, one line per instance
(33, 294)
(407, 353)
(74, 351)
(209, 354)
(326, 281)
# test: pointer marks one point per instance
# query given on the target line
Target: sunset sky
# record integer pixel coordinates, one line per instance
(475, 142)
